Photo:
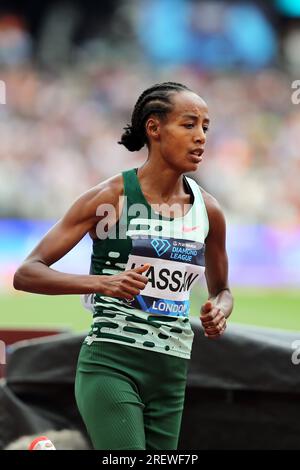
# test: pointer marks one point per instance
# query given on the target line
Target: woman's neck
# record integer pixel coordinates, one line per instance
(161, 180)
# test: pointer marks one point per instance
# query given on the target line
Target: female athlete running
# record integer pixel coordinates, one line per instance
(154, 232)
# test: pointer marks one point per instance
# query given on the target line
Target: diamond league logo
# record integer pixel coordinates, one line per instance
(160, 246)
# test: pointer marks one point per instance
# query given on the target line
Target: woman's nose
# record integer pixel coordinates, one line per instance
(200, 137)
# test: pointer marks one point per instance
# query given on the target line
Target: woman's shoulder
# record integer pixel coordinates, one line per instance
(107, 191)
(114, 183)
(213, 207)
(97, 201)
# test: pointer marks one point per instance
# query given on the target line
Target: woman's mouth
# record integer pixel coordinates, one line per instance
(196, 155)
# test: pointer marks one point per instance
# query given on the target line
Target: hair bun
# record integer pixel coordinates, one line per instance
(131, 140)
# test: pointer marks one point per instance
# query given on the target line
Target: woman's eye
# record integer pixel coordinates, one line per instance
(189, 126)
(205, 129)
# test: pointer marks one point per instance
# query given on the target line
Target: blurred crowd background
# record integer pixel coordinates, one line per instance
(72, 72)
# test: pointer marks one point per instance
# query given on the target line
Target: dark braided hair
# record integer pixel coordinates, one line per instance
(154, 100)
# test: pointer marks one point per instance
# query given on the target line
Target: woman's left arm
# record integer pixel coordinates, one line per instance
(219, 305)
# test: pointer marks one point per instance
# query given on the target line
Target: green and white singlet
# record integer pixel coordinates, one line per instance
(158, 318)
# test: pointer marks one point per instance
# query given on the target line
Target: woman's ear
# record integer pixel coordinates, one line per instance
(153, 128)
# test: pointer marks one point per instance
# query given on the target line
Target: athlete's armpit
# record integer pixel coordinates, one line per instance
(216, 259)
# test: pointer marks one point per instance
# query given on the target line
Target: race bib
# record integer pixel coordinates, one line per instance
(176, 265)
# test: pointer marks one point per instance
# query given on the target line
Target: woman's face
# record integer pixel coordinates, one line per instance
(182, 134)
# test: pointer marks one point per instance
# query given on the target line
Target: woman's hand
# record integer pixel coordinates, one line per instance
(213, 320)
(126, 285)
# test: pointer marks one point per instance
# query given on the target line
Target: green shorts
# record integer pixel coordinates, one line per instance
(130, 398)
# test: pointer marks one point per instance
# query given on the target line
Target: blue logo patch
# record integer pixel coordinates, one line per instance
(160, 246)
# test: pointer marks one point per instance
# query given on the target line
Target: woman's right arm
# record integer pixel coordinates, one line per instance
(35, 274)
